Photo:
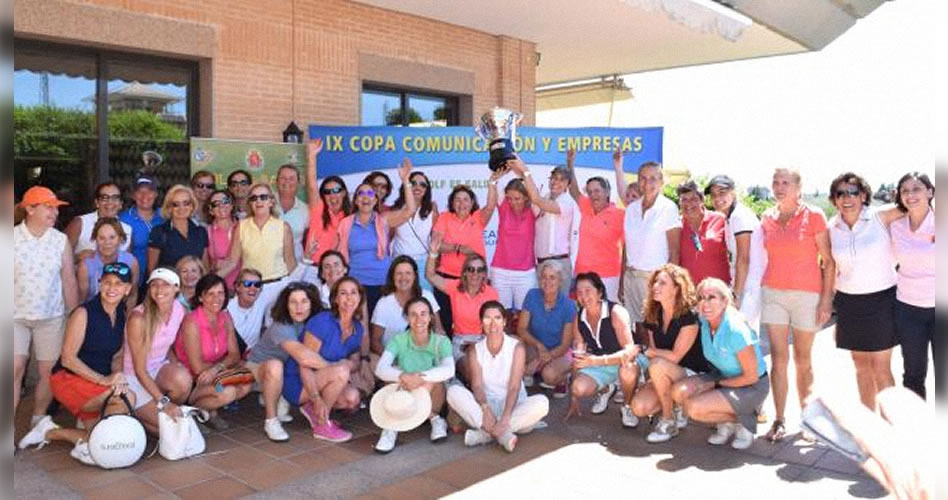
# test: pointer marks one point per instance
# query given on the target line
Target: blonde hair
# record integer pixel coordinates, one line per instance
(685, 299)
(187, 259)
(151, 316)
(169, 196)
(791, 172)
(273, 200)
(718, 287)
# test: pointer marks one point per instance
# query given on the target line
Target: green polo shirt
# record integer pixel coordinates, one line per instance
(412, 358)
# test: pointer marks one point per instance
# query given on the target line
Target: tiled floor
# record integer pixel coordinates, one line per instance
(562, 461)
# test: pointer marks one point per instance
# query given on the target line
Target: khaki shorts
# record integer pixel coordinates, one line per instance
(794, 308)
(46, 336)
(635, 290)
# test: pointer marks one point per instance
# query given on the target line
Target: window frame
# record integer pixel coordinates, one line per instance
(452, 101)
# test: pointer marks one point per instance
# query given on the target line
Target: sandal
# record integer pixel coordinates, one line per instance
(777, 431)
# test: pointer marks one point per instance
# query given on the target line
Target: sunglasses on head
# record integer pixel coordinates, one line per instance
(204, 185)
(332, 190)
(109, 197)
(367, 192)
(258, 197)
(241, 182)
(696, 242)
(223, 201)
(179, 204)
(252, 283)
(851, 193)
(476, 269)
(120, 270)
(419, 184)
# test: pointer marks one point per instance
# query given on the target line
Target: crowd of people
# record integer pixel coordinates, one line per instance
(656, 306)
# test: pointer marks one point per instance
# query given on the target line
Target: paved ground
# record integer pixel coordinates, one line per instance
(590, 457)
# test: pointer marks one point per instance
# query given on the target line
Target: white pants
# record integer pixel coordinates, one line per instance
(512, 286)
(612, 288)
(525, 415)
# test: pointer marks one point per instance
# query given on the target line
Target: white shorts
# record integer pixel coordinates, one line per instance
(142, 396)
(512, 286)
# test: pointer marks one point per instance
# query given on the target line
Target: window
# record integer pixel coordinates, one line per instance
(384, 106)
(82, 116)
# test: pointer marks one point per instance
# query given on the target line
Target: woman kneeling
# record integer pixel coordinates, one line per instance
(732, 394)
(424, 359)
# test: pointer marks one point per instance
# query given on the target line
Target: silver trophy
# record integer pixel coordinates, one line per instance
(498, 127)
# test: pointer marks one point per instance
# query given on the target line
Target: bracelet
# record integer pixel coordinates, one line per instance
(526, 173)
(432, 255)
(364, 357)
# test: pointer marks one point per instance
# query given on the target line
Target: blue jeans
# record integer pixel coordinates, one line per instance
(916, 327)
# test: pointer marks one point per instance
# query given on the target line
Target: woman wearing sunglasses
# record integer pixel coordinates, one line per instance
(238, 184)
(413, 237)
(89, 368)
(109, 235)
(331, 205)
(363, 236)
(221, 233)
(731, 394)
(179, 235)
(865, 283)
(203, 183)
(108, 203)
(263, 242)
(703, 251)
(466, 296)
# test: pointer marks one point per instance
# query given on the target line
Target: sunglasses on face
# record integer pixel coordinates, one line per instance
(241, 182)
(476, 269)
(203, 185)
(332, 190)
(180, 204)
(422, 184)
(369, 193)
(252, 283)
(221, 202)
(851, 193)
(109, 197)
(116, 269)
(258, 197)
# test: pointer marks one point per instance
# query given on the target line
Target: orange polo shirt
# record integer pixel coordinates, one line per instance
(600, 239)
(328, 237)
(468, 232)
(466, 310)
(792, 255)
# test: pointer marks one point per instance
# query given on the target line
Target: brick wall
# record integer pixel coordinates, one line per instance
(258, 58)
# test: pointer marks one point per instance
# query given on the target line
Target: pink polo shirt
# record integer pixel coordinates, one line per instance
(915, 253)
(514, 233)
(792, 255)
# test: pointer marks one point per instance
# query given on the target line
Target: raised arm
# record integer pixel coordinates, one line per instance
(396, 218)
(430, 268)
(488, 210)
(545, 204)
(313, 148)
(620, 174)
(573, 181)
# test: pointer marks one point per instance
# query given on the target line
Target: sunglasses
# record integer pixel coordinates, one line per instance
(242, 182)
(221, 202)
(370, 193)
(477, 269)
(204, 185)
(333, 190)
(419, 184)
(258, 197)
(696, 242)
(180, 204)
(109, 197)
(708, 298)
(851, 193)
(252, 283)
(121, 270)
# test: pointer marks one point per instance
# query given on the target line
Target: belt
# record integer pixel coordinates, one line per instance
(553, 257)
(273, 280)
(447, 276)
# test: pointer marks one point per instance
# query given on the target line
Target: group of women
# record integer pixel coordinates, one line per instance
(347, 292)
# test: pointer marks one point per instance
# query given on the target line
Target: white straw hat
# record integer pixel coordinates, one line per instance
(400, 410)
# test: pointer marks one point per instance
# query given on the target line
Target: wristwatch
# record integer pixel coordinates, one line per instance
(365, 357)
(164, 400)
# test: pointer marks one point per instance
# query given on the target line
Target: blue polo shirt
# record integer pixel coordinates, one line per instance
(327, 329)
(547, 325)
(733, 335)
(173, 246)
(364, 262)
(141, 231)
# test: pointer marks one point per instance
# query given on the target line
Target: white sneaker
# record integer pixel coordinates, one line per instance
(743, 438)
(283, 411)
(439, 429)
(724, 432)
(664, 431)
(618, 397)
(81, 453)
(37, 435)
(602, 400)
(275, 431)
(528, 381)
(681, 420)
(628, 418)
(544, 385)
(386, 441)
(509, 441)
(476, 437)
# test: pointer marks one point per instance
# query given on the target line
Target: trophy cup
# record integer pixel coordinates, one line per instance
(498, 128)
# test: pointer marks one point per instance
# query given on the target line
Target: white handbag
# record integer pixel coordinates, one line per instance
(181, 438)
(117, 440)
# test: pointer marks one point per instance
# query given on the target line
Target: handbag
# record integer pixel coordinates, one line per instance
(181, 438)
(234, 376)
(117, 440)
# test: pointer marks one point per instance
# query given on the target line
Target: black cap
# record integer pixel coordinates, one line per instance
(719, 180)
(146, 181)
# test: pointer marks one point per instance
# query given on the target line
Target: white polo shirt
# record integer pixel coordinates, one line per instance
(742, 220)
(298, 219)
(554, 231)
(863, 254)
(646, 243)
